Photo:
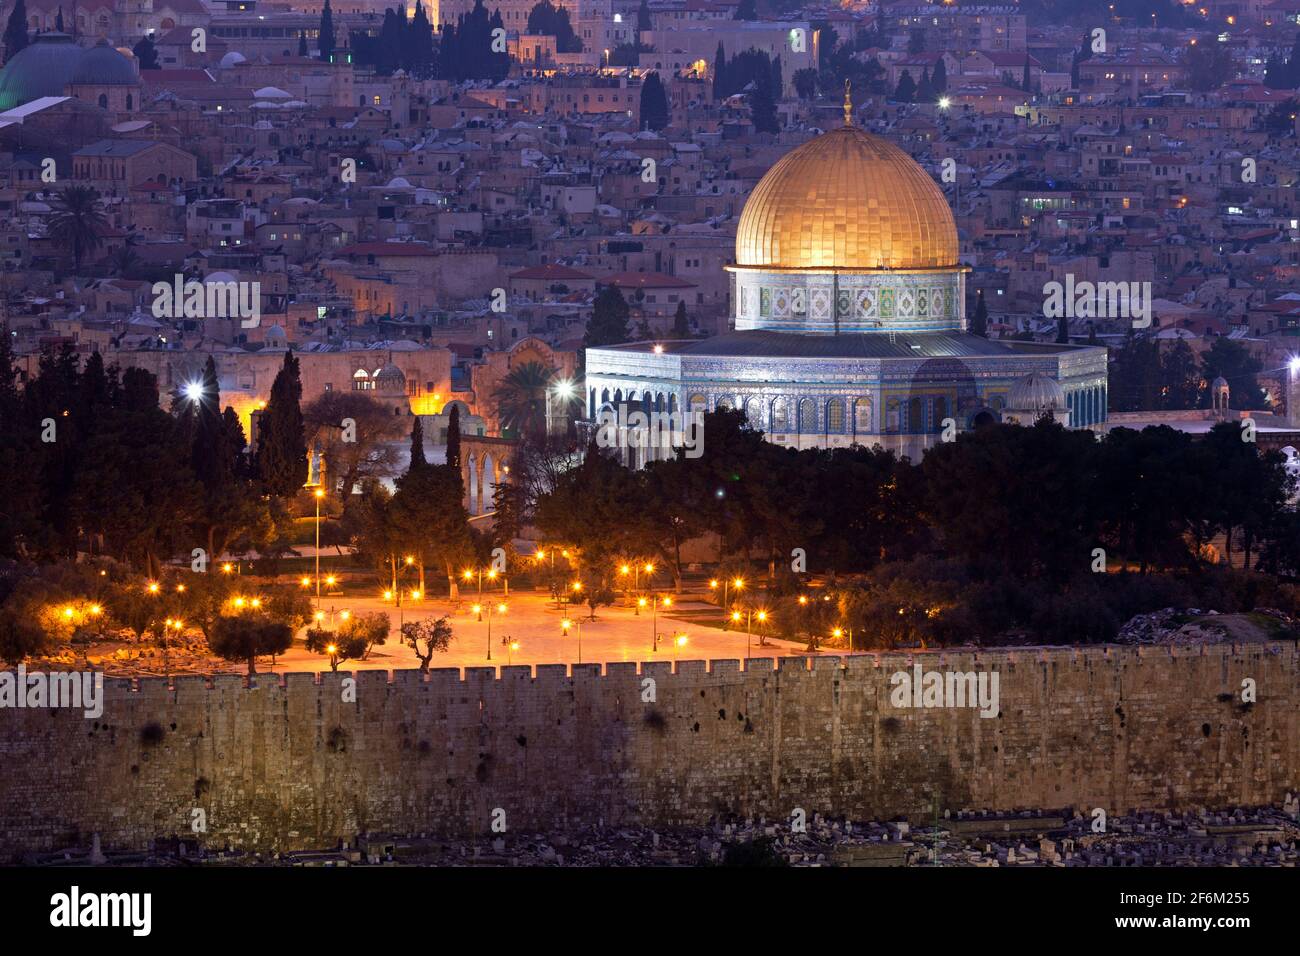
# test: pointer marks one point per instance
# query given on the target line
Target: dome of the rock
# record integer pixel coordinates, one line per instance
(847, 200)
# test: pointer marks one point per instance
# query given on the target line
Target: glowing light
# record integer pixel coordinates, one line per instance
(666, 602)
(566, 624)
(320, 615)
(239, 602)
(803, 599)
(344, 615)
(410, 560)
(735, 615)
(153, 587)
(738, 583)
(388, 595)
(96, 610)
(659, 349)
(713, 583)
(501, 609)
(944, 102)
(625, 570)
(331, 649)
(330, 580)
(194, 391)
(67, 612)
(837, 633)
(540, 555)
(180, 589)
(257, 602)
(492, 575)
(762, 615)
(306, 582)
(477, 609)
(577, 585)
(467, 575)
(319, 492)
(641, 602)
(227, 567)
(681, 640)
(564, 388)
(1294, 365)
(415, 595)
(514, 645)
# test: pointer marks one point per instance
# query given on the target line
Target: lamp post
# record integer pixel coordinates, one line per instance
(564, 629)
(479, 609)
(737, 583)
(749, 616)
(318, 494)
(655, 604)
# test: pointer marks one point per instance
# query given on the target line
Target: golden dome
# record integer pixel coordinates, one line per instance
(847, 200)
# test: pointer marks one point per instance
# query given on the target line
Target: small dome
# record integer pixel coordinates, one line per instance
(1036, 393)
(102, 65)
(390, 378)
(1219, 383)
(233, 58)
(276, 334)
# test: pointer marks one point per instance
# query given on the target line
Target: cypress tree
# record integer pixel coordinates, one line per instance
(302, 43)
(608, 323)
(453, 437)
(654, 103)
(15, 37)
(939, 81)
(681, 328)
(719, 67)
(905, 92)
(282, 443)
(325, 42)
(979, 323)
(417, 445)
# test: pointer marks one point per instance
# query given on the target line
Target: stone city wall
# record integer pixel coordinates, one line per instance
(291, 765)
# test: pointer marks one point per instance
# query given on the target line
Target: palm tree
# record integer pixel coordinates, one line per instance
(522, 398)
(78, 221)
(124, 260)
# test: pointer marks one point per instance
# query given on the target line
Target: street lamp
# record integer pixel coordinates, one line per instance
(564, 628)
(737, 583)
(318, 494)
(479, 609)
(749, 615)
(655, 604)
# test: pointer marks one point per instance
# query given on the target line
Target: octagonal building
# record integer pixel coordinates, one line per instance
(848, 309)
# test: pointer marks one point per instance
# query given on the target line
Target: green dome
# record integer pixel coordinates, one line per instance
(102, 65)
(47, 66)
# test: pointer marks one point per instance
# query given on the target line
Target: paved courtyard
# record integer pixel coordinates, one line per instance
(532, 622)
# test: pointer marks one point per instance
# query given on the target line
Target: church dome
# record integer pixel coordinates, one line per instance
(42, 68)
(1037, 393)
(851, 201)
(102, 65)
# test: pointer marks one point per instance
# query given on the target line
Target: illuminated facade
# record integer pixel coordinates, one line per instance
(848, 302)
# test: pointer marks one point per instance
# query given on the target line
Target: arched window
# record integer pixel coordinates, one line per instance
(940, 413)
(754, 412)
(834, 417)
(862, 416)
(780, 417)
(723, 403)
(915, 415)
(130, 102)
(807, 417)
(103, 100)
(698, 403)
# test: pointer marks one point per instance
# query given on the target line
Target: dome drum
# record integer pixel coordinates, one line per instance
(836, 302)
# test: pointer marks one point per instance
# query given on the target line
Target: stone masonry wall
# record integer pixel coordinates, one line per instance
(289, 765)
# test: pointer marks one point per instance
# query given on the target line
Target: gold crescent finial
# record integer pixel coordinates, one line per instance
(848, 103)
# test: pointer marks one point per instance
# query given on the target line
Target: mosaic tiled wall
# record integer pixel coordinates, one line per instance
(826, 303)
